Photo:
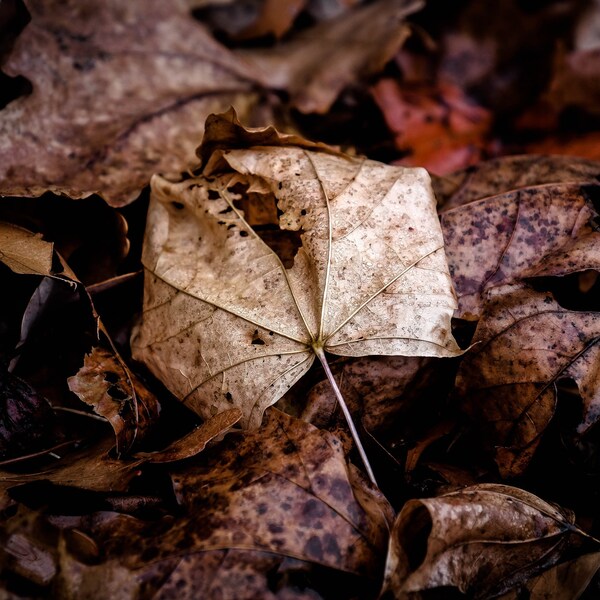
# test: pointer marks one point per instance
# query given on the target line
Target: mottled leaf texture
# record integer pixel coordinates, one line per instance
(482, 540)
(503, 239)
(120, 91)
(226, 324)
(107, 385)
(272, 514)
(24, 252)
(508, 173)
(524, 344)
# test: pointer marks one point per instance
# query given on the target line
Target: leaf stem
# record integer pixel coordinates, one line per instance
(336, 390)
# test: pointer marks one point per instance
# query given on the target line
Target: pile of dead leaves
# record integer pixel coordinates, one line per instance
(168, 425)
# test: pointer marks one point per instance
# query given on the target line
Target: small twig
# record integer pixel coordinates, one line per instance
(336, 390)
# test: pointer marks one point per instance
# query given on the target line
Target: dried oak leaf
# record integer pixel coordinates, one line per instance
(482, 540)
(503, 239)
(278, 500)
(108, 386)
(120, 91)
(507, 173)
(524, 344)
(225, 324)
(316, 65)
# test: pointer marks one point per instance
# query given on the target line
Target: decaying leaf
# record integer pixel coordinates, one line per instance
(503, 239)
(507, 173)
(319, 63)
(258, 516)
(120, 91)
(524, 344)
(482, 540)
(226, 324)
(109, 387)
(24, 252)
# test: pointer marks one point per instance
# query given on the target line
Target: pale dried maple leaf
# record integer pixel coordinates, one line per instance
(226, 324)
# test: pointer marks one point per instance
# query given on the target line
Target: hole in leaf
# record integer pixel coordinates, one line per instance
(212, 195)
(576, 291)
(177, 205)
(12, 88)
(114, 391)
(110, 377)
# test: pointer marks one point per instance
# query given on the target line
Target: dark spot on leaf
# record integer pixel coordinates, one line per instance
(177, 205)
(225, 210)
(303, 212)
(229, 397)
(244, 233)
(221, 223)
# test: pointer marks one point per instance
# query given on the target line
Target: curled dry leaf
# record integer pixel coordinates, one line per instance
(226, 324)
(482, 540)
(503, 239)
(120, 91)
(108, 386)
(195, 441)
(319, 63)
(507, 173)
(276, 501)
(24, 252)
(524, 344)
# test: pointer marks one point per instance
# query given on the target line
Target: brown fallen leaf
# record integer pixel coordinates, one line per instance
(567, 581)
(24, 252)
(503, 239)
(195, 441)
(584, 145)
(267, 505)
(524, 344)
(122, 91)
(507, 173)
(316, 65)
(89, 468)
(226, 324)
(114, 392)
(482, 540)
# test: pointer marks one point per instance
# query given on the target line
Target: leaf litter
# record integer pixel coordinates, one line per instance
(517, 405)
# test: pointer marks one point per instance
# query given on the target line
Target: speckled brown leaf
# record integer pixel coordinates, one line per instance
(503, 239)
(315, 66)
(263, 507)
(226, 324)
(524, 344)
(106, 384)
(507, 173)
(482, 540)
(120, 91)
